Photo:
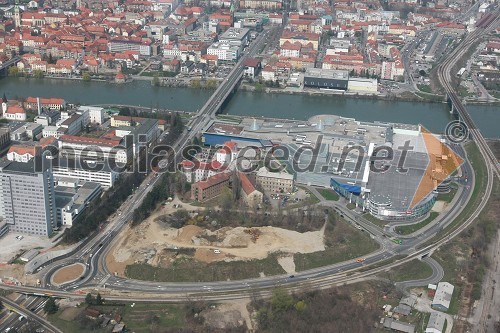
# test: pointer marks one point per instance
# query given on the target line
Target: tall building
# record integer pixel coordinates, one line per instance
(17, 15)
(27, 199)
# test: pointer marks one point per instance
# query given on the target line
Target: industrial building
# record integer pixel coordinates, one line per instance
(442, 298)
(326, 78)
(334, 151)
(357, 84)
(436, 323)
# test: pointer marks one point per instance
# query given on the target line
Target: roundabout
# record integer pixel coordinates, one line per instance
(68, 274)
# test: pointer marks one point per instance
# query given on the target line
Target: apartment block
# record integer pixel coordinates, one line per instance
(27, 199)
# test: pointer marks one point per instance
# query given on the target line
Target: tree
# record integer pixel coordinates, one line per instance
(98, 299)
(38, 74)
(156, 80)
(13, 71)
(86, 77)
(50, 307)
(281, 300)
(422, 72)
(196, 84)
(211, 84)
(89, 299)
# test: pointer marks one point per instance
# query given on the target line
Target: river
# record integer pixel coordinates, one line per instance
(433, 116)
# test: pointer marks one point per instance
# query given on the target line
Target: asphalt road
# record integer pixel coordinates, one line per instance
(92, 253)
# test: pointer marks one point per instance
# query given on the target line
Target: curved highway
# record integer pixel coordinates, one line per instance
(388, 256)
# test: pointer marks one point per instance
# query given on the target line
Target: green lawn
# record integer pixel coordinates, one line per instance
(424, 88)
(190, 270)
(328, 194)
(413, 270)
(343, 242)
(374, 220)
(351, 206)
(447, 197)
(477, 161)
(409, 229)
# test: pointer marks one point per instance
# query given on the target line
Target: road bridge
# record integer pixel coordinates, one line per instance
(457, 107)
(9, 63)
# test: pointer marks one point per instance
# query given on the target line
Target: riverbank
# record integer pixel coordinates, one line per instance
(275, 104)
(405, 96)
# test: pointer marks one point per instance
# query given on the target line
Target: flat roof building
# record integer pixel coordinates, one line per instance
(96, 172)
(275, 182)
(326, 78)
(72, 198)
(27, 200)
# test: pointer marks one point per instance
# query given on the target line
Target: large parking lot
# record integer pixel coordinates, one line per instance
(283, 199)
(12, 246)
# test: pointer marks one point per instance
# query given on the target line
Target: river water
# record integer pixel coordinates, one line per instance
(433, 116)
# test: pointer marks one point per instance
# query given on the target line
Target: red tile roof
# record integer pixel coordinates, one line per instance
(246, 184)
(214, 180)
(90, 141)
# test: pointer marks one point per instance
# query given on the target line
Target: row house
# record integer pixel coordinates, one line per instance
(299, 62)
(60, 69)
(261, 4)
(393, 69)
(198, 171)
(32, 19)
(32, 42)
(303, 38)
(171, 66)
(398, 29)
(91, 64)
(128, 58)
(138, 6)
(45, 103)
(290, 50)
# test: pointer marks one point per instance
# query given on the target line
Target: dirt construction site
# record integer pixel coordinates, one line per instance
(156, 244)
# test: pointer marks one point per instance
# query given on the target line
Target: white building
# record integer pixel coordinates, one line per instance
(443, 295)
(357, 84)
(224, 51)
(72, 198)
(97, 149)
(275, 182)
(436, 323)
(96, 114)
(86, 172)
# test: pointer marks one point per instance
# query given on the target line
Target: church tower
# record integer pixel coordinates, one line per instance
(17, 15)
(4, 104)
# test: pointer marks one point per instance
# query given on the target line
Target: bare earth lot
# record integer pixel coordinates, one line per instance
(157, 245)
(68, 273)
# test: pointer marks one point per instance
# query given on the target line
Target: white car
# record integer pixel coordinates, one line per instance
(217, 251)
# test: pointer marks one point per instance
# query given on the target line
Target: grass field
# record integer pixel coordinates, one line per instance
(413, 270)
(343, 242)
(409, 229)
(374, 220)
(190, 270)
(447, 197)
(142, 318)
(424, 88)
(328, 194)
